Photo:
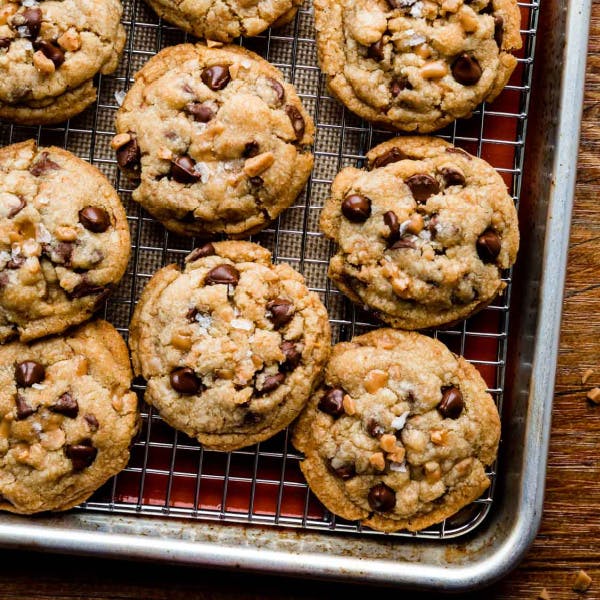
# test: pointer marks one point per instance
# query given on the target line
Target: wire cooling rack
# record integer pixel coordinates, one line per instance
(170, 474)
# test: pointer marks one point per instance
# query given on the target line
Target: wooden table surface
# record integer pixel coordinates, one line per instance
(569, 538)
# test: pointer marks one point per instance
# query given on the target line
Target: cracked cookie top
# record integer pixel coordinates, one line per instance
(400, 433)
(232, 346)
(416, 65)
(423, 234)
(67, 417)
(64, 240)
(218, 141)
(51, 47)
(224, 20)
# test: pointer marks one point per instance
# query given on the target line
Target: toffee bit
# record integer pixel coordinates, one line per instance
(582, 582)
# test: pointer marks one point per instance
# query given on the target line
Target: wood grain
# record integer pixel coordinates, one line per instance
(569, 538)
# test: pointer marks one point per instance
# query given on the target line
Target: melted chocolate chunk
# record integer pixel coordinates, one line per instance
(452, 176)
(391, 156)
(23, 409)
(375, 50)
(344, 472)
(5, 43)
(399, 85)
(488, 246)
(452, 403)
(182, 170)
(297, 120)
(391, 220)
(453, 150)
(52, 52)
(374, 428)
(466, 69)
(82, 455)
(129, 155)
(31, 18)
(86, 288)
(250, 149)
(292, 354)
(223, 274)
(191, 314)
(202, 112)
(43, 165)
(185, 381)
(66, 405)
(403, 243)
(94, 219)
(270, 384)
(281, 310)
(92, 421)
(200, 252)
(422, 186)
(498, 30)
(382, 498)
(15, 211)
(216, 77)
(278, 88)
(29, 372)
(356, 208)
(332, 402)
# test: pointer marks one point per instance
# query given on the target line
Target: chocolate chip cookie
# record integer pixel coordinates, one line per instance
(218, 140)
(423, 233)
(400, 434)
(416, 65)
(224, 21)
(64, 240)
(67, 417)
(231, 347)
(49, 54)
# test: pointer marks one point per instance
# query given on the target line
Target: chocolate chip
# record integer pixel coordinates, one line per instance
(92, 422)
(356, 208)
(250, 149)
(498, 30)
(43, 165)
(452, 176)
(297, 120)
(29, 372)
(15, 211)
(422, 186)
(256, 181)
(82, 455)
(271, 383)
(129, 155)
(403, 243)
(391, 220)
(66, 405)
(201, 111)
(466, 69)
(5, 43)
(216, 77)
(293, 356)
(52, 52)
(191, 314)
(344, 472)
(332, 402)
(223, 274)
(382, 498)
(86, 288)
(15, 263)
(281, 310)
(375, 50)
(185, 381)
(452, 403)
(94, 219)
(374, 428)
(488, 246)
(399, 85)
(182, 170)
(23, 409)
(200, 252)
(278, 88)
(30, 18)
(391, 156)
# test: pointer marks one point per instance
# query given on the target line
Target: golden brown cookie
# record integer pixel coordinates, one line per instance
(231, 347)
(400, 434)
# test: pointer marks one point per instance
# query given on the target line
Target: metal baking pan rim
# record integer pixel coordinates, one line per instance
(142, 538)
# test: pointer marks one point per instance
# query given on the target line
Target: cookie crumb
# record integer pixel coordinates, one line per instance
(594, 395)
(586, 375)
(582, 581)
(544, 595)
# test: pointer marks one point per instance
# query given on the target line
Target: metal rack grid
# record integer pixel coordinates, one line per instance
(171, 475)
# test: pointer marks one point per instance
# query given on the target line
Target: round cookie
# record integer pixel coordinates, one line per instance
(231, 347)
(423, 235)
(64, 240)
(67, 417)
(400, 433)
(50, 52)
(224, 21)
(416, 65)
(218, 140)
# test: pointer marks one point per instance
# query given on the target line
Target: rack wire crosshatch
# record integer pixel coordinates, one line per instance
(169, 474)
